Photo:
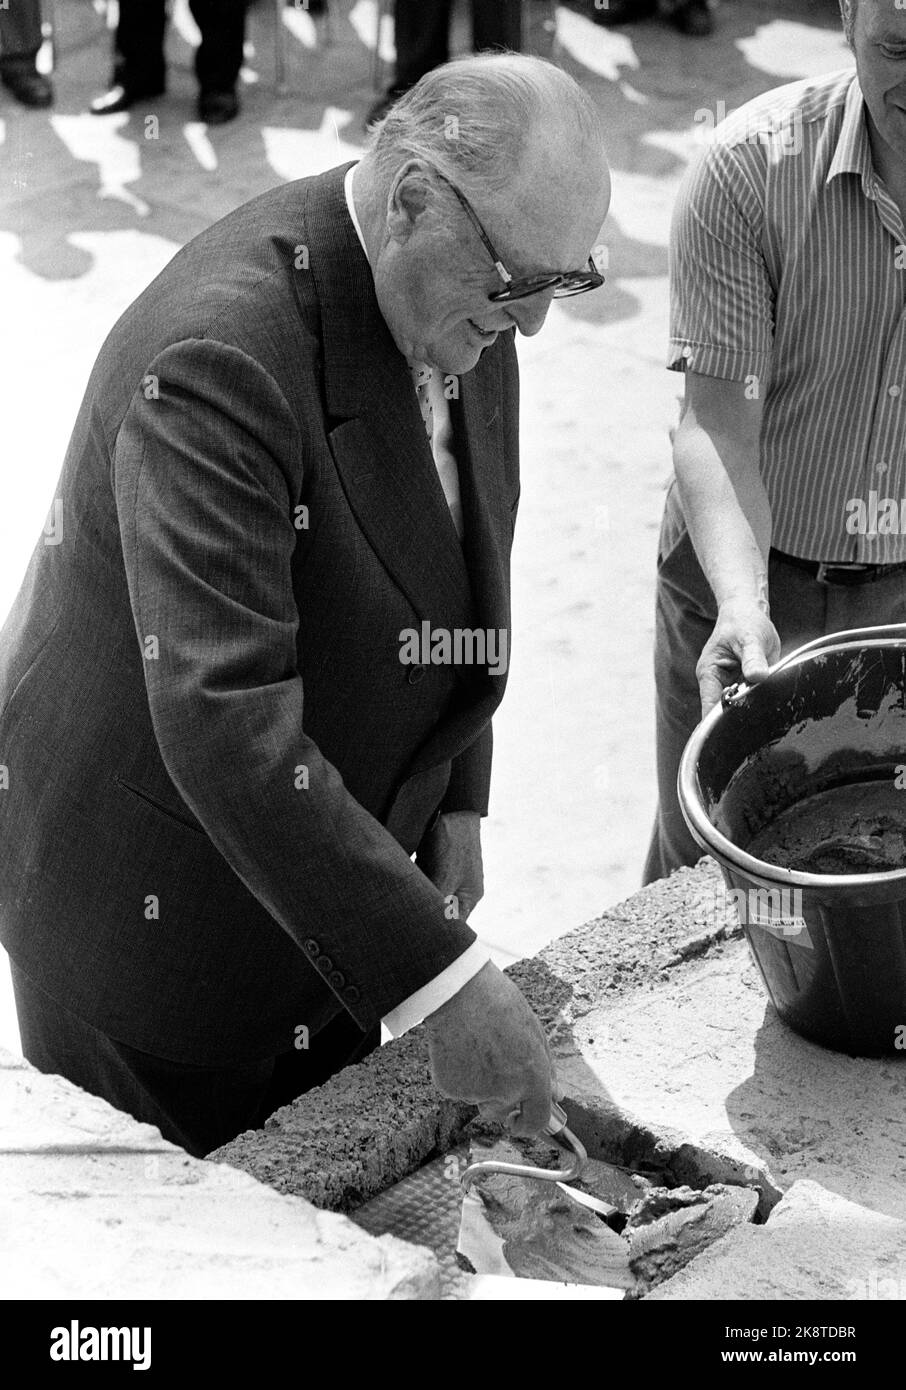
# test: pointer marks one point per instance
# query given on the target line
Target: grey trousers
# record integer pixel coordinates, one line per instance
(685, 614)
(20, 33)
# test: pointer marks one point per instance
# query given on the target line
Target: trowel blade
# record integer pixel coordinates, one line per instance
(585, 1199)
(478, 1241)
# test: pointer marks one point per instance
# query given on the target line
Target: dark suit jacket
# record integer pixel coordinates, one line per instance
(188, 646)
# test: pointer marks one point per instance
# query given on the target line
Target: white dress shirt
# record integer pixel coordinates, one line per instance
(450, 981)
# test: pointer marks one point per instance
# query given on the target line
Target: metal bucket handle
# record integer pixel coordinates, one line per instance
(893, 631)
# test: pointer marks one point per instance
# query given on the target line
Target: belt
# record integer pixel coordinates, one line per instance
(840, 572)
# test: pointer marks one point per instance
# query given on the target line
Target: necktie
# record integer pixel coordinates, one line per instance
(444, 462)
(422, 375)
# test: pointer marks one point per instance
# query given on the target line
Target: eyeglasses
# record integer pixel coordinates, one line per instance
(564, 283)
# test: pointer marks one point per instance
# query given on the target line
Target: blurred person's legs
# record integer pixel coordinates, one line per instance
(139, 67)
(20, 41)
(609, 12)
(496, 24)
(689, 16)
(218, 57)
(422, 39)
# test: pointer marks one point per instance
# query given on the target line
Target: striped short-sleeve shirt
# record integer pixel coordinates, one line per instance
(788, 274)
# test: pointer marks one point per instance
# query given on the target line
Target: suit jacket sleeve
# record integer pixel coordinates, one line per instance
(470, 779)
(205, 498)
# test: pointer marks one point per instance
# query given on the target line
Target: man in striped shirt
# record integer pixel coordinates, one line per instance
(787, 516)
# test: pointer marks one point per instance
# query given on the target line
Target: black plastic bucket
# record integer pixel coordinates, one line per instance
(831, 948)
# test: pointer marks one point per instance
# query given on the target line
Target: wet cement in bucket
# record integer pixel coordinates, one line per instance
(857, 828)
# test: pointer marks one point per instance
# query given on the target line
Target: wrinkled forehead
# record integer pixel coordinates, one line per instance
(550, 215)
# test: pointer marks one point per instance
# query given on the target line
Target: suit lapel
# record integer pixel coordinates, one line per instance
(478, 443)
(375, 428)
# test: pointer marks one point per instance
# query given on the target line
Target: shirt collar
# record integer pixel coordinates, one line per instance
(350, 203)
(853, 152)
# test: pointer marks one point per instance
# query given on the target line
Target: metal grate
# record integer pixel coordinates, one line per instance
(425, 1209)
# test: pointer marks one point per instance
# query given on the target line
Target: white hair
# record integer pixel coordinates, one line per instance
(474, 117)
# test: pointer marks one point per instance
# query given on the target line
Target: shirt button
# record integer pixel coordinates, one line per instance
(893, 391)
(336, 980)
(416, 673)
(324, 963)
(312, 947)
(881, 468)
(351, 994)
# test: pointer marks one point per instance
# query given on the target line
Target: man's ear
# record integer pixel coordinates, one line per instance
(410, 197)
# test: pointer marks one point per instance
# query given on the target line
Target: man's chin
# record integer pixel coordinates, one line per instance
(456, 363)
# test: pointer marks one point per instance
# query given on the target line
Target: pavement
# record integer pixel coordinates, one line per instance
(91, 210)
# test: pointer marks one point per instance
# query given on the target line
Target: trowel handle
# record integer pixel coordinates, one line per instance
(557, 1120)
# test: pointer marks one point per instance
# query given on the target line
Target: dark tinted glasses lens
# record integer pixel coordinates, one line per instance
(578, 284)
(519, 289)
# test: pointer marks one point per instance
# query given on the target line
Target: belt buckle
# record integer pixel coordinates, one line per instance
(825, 567)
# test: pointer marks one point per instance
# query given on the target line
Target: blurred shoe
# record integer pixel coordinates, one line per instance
(120, 98)
(216, 108)
(27, 86)
(622, 11)
(693, 17)
(381, 107)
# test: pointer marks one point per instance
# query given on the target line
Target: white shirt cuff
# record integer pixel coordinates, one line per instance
(437, 991)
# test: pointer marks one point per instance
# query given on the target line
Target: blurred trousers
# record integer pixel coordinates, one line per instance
(20, 33)
(685, 614)
(138, 44)
(422, 33)
(198, 1108)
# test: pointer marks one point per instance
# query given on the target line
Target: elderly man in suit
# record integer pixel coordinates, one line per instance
(297, 449)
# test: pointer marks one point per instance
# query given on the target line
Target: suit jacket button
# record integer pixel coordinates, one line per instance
(416, 673)
(351, 994)
(324, 963)
(336, 979)
(312, 947)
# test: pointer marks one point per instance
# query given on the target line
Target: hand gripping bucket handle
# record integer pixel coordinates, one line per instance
(889, 632)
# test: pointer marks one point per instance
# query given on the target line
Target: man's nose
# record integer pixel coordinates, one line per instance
(529, 314)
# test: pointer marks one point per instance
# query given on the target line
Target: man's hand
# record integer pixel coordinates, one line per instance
(451, 857)
(488, 1048)
(744, 641)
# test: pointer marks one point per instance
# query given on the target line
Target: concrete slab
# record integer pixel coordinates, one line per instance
(96, 1205)
(703, 1063)
(817, 1245)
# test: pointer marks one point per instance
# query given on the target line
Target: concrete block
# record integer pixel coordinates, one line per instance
(47, 1114)
(226, 1241)
(96, 1205)
(350, 1139)
(816, 1244)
